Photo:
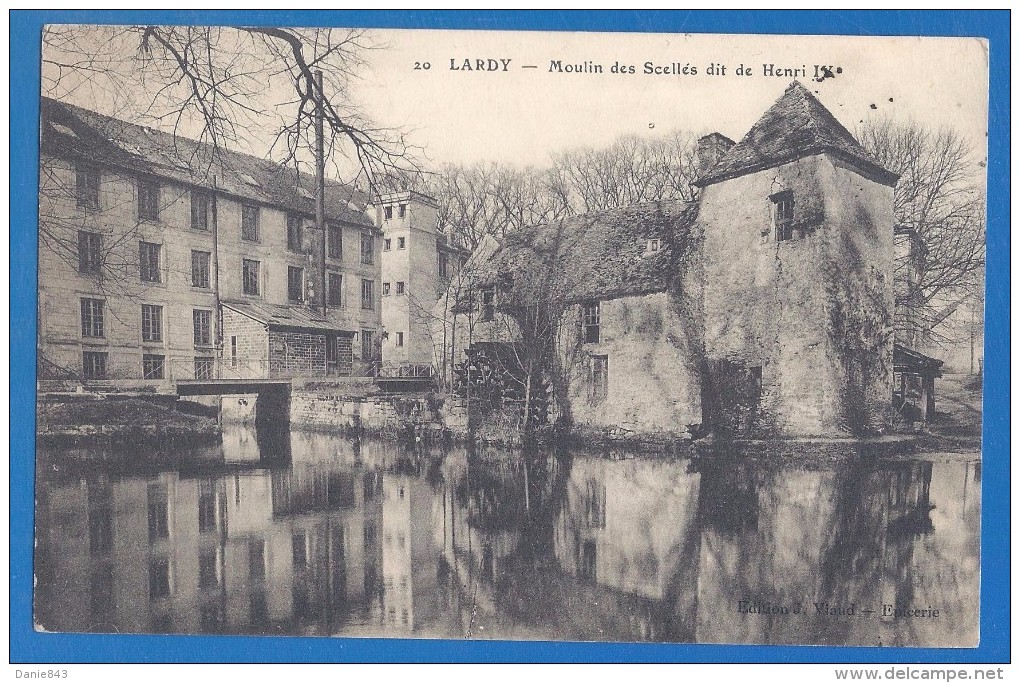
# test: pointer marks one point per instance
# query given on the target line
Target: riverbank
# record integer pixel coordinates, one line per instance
(74, 419)
(81, 418)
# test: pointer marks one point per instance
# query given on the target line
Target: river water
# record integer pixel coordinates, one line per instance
(315, 534)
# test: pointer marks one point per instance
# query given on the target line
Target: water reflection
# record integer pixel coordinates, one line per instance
(315, 534)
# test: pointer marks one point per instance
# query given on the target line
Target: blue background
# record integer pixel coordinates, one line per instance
(28, 646)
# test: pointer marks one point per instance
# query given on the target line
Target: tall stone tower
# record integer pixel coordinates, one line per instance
(797, 220)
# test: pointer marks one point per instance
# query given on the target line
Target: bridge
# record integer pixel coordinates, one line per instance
(214, 387)
(272, 402)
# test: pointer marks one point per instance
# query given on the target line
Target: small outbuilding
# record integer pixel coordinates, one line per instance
(914, 383)
(262, 340)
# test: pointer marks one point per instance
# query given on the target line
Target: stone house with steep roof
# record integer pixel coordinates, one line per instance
(765, 307)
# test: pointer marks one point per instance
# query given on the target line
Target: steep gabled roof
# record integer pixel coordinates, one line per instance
(795, 126)
(598, 255)
(70, 131)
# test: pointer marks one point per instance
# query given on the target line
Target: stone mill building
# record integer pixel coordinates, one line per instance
(764, 307)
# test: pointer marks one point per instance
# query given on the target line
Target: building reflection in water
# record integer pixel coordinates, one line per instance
(330, 536)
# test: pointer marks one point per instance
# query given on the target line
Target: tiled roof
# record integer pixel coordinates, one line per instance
(295, 315)
(594, 256)
(795, 126)
(68, 130)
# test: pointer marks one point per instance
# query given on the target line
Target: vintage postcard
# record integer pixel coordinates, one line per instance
(510, 335)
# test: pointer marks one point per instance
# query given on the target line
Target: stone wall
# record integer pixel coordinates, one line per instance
(296, 354)
(805, 315)
(250, 340)
(372, 414)
(653, 356)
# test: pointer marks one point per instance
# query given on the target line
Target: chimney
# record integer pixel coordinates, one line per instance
(712, 148)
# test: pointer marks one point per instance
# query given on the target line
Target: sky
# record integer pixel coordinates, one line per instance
(520, 116)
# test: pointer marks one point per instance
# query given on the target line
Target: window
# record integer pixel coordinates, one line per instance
(92, 318)
(587, 564)
(400, 339)
(250, 222)
(402, 210)
(207, 507)
(295, 235)
(386, 289)
(401, 242)
(367, 350)
(782, 206)
(444, 264)
(400, 289)
(336, 242)
(203, 327)
(93, 365)
(159, 578)
(599, 379)
(387, 244)
(388, 212)
(148, 262)
(654, 245)
(233, 352)
(210, 618)
(594, 504)
(367, 295)
(87, 186)
(590, 317)
(200, 261)
(334, 290)
(199, 210)
(89, 246)
(152, 366)
(148, 200)
(295, 283)
(204, 368)
(367, 248)
(250, 276)
(208, 568)
(488, 304)
(159, 512)
(299, 549)
(152, 323)
(257, 559)
(101, 595)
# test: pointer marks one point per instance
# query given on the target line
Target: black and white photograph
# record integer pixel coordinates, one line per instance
(509, 335)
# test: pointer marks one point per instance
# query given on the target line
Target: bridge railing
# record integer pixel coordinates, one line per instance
(192, 367)
(406, 370)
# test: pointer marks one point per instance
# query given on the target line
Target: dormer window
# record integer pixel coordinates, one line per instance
(654, 245)
(782, 215)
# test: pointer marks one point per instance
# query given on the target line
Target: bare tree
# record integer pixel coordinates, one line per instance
(631, 170)
(220, 84)
(498, 200)
(940, 198)
(491, 199)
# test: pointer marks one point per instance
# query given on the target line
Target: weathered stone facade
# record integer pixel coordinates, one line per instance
(653, 381)
(808, 318)
(414, 257)
(110, 190)
(764, 308)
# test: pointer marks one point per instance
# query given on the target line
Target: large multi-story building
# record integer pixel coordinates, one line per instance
(164, 258)
(418, 264)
